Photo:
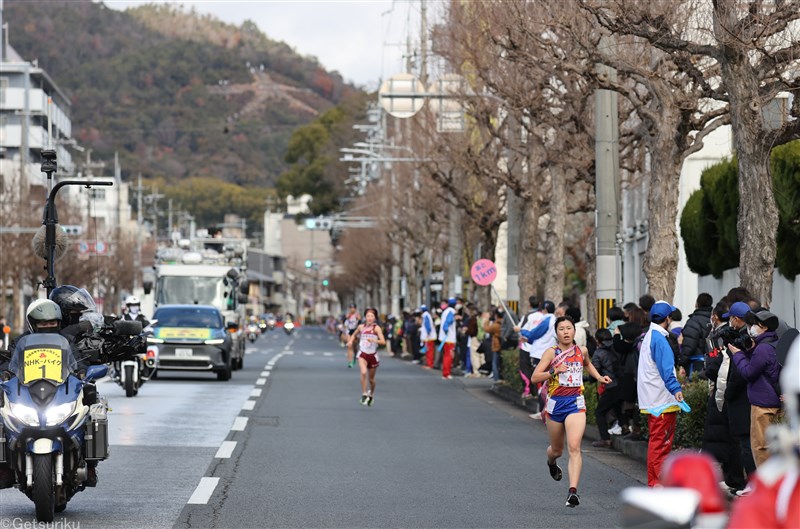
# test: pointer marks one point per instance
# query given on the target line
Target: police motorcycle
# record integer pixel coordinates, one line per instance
(252, 332)
(140, 367)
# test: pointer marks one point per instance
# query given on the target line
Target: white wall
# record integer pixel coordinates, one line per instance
(785, 293)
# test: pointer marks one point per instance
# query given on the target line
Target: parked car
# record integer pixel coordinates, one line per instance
(192, 338)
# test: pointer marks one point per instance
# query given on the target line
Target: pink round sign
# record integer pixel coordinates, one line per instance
(483, 272)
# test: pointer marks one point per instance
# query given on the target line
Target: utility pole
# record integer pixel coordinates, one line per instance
(606, 191)
(137, 258)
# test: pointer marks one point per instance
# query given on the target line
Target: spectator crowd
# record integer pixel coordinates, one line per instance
(647, 349)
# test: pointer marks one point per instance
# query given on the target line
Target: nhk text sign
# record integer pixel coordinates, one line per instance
(42, 363)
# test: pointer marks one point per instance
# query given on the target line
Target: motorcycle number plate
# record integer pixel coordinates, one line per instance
(183, 353)
(42, 363)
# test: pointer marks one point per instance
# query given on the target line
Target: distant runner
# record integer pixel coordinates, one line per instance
(370, 337)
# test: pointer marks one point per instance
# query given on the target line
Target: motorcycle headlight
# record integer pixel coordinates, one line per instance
(25, 414)
(214, 342)
(58, 414)
(152, 339)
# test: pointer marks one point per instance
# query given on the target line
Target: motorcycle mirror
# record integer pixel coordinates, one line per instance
(666, 508)
(95, 372)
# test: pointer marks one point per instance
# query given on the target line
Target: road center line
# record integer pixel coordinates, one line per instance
(225, 449)
(239, 424)
(249, 405)
(256, 392)
(265, 373)
(203, 491)
(261, 381)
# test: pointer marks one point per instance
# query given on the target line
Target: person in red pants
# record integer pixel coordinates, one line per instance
(658, 389)
(427, 335)
(447, 336)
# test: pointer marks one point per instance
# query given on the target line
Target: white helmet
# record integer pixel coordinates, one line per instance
(42, 310)
(132, 300)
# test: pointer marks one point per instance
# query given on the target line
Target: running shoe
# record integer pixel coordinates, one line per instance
(351, 363)
(364, 399)
(573, 500)
(555, 471)
(369, 400)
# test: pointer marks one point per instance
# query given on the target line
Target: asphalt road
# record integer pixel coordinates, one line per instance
(285, 443)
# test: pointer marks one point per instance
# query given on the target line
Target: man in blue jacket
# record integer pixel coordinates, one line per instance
(658, 389)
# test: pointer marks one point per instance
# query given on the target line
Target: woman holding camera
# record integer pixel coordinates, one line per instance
(759, 367)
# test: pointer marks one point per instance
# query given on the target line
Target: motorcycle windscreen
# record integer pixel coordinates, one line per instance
(46, 356)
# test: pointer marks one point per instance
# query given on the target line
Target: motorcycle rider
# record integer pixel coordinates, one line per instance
(78, 306)
(775, 497)
(42, 316)
(133, 307)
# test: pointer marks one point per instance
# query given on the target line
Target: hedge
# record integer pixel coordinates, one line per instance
(709, 219)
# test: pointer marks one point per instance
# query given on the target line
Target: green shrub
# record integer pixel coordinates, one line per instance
(591, 396)
(509, 371)
(690, 426)
(709, 220)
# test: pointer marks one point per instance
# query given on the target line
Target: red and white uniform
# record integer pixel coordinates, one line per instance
(368, 349)
(775, 500)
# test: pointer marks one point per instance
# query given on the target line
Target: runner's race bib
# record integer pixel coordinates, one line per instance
(573, 376)
(368, 346)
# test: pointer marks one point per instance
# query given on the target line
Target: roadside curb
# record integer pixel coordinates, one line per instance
(636, 450)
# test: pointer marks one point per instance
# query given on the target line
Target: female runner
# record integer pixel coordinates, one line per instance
(562, 366)
(370, 337)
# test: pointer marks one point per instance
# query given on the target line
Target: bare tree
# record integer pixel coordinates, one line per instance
(544, 124)
(750, 52)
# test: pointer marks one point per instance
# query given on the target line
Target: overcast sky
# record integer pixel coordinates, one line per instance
(358, 38)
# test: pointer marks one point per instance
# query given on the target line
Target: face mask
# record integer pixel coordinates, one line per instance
(458, 306)
(755, 330)
(134, 310)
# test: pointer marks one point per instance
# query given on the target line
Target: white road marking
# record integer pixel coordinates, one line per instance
(203, 492)
(265, 373)
(249, 405)
(327, 354)
(225, 449)
(261, 381)
(268, 367)
(308, 353)
(255, 393)
(239, 424)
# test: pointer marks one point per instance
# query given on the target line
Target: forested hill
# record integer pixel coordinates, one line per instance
(177, 93)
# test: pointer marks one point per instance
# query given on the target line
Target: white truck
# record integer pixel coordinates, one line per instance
(205, 271)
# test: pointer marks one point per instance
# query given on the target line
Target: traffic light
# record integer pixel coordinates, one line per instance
(309, 263)
(325, 282)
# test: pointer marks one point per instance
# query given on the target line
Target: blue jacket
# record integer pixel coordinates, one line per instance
(759, 367)
(538, 331)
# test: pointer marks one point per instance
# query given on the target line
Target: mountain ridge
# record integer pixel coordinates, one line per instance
(177, 94)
